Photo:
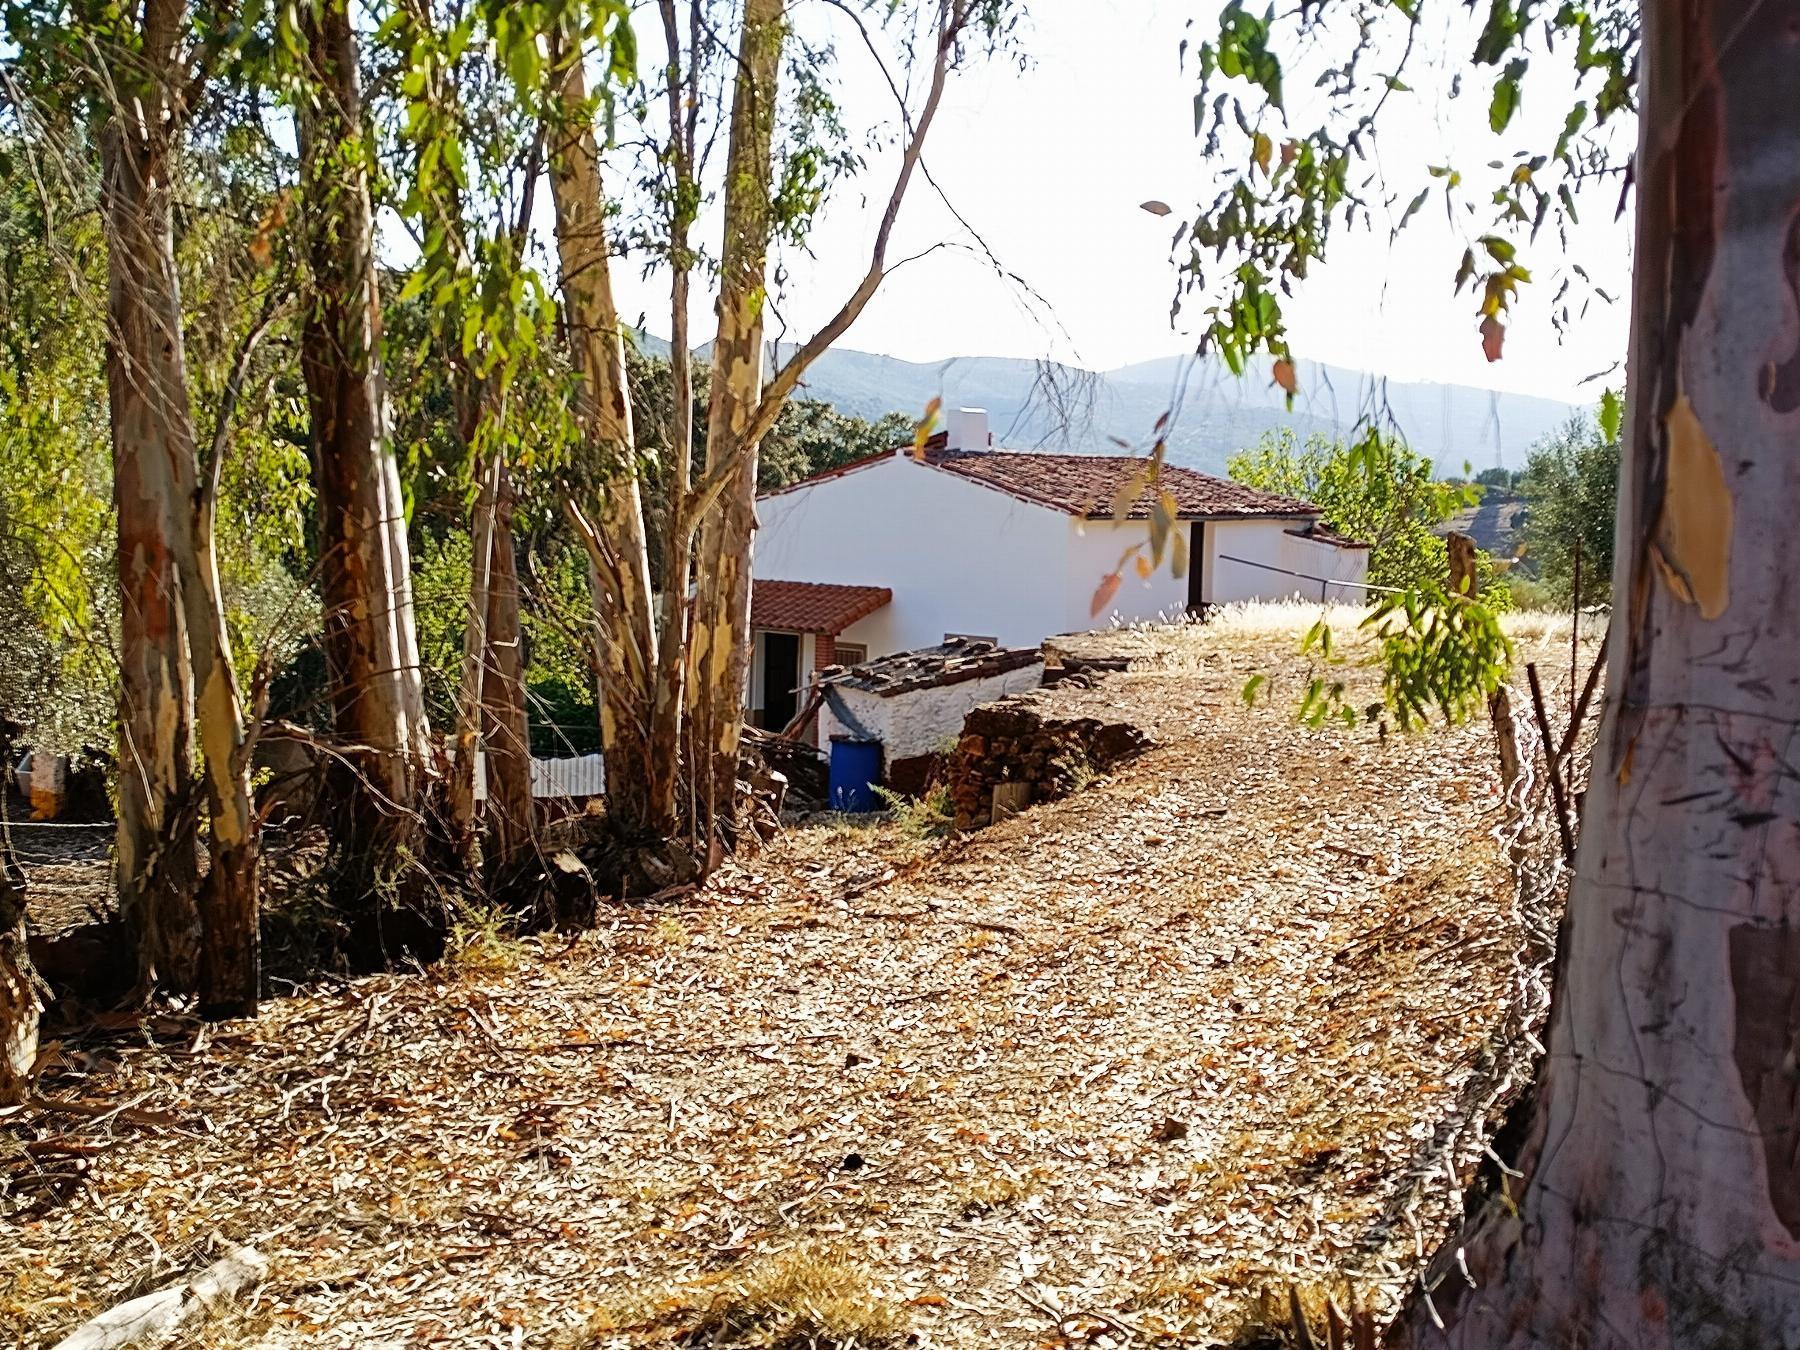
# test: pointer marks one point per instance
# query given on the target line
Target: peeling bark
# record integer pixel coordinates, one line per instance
(720, 668)
(615, 538)
(1659, 1201)
(173, 637)
(370, 638)
(147, 391)
(505, 728)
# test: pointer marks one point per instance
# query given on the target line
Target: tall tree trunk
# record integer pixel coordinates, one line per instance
(370, 637)
(669, 701)
(230, 967)
(1660, 1199)
(151, 430)
(467, 749)
(615, 538)
(506, 729)
(175, 655)
(19, 1004)
(722, 603)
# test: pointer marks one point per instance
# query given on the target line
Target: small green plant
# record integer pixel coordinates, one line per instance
(1437, 652)
(924, 817)
(482, 941)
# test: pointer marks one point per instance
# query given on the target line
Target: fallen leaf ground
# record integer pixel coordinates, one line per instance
(1099, 1073)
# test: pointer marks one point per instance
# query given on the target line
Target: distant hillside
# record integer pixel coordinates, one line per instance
(1495, 524)
(1214, 414)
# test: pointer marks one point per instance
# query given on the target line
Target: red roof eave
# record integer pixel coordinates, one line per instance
(813, 606)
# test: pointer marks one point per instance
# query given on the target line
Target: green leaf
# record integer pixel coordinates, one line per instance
(1252, 687)
(1612, 415)
(1505, 101)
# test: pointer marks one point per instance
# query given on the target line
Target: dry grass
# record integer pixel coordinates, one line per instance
(1292, 944)
(809, 1297)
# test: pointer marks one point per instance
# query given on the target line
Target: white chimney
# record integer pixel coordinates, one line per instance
(966, 429)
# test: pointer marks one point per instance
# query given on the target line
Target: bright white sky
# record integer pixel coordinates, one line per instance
(1050, 164)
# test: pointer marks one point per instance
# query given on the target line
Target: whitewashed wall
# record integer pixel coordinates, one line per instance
(1268, 542)
(960, 558)
(1095, 547)
(917, 723)
(1312, 557)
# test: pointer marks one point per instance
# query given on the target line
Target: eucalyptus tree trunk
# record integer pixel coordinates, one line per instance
(147, 393)
(365, 565)
(19, 1003)
(720, 665)
(1659, 1201)
(640, 791)
(669, 743)
(467, 749)
(505, 727)
(173, 636)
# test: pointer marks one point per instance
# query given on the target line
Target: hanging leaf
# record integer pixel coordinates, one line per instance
(1612, 415)
(1284, 376)
(1506, 95)
(1154, 207)
(1263, 152)
(1144, 567)
(1104, 593)
(1493, 337)
(1127, 493)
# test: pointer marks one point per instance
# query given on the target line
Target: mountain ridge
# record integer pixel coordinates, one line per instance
(1213, 414)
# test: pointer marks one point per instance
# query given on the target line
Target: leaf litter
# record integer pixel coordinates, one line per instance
(1095, 1075)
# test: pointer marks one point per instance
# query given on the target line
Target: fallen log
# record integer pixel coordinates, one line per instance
(156, 1315)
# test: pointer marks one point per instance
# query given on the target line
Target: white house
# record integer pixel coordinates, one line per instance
(899, 551)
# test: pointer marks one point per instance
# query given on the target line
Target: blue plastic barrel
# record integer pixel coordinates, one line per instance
(855, 769)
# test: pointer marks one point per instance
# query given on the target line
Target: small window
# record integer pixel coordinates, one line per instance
(972, 637)
(852, 653)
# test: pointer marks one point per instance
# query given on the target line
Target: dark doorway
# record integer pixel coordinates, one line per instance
(1196, 604)
(781, 676)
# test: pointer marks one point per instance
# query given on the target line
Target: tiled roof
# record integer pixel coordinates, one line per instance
(952, 662)
(812, 606)
(1324, 534)
(1083, 485)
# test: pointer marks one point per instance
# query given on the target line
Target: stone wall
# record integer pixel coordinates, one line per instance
(1028, 751)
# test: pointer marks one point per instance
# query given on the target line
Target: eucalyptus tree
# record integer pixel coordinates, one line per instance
(672, 668)
(365, 564)
(470, 160)
(1654, 1200)
(137, 75)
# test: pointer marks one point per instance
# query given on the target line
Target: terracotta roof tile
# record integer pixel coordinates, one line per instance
(812, 606)
(1083, 485)
(952, 662)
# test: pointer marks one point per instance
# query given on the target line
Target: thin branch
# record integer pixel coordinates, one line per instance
(787, 378)
(274, 305)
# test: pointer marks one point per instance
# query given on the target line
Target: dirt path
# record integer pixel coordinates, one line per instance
(1104, 1067)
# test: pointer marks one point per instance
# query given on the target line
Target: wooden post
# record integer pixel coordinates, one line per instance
(1463, 582)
